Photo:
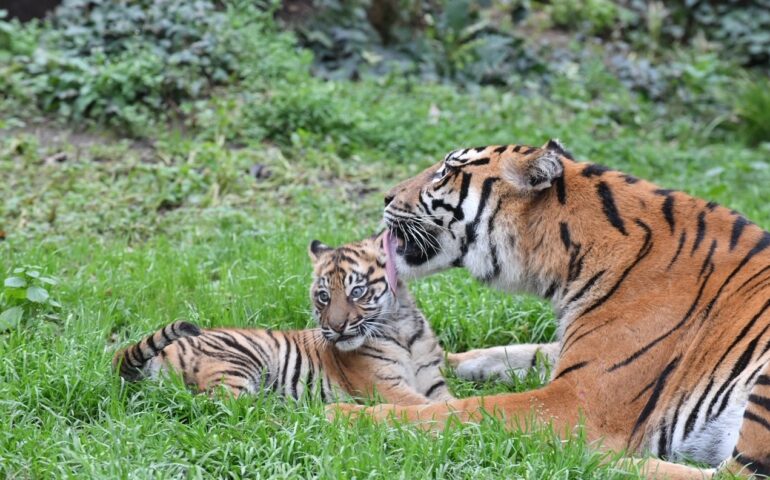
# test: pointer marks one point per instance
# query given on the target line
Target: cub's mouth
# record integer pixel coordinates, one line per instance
(346, 341)
(411, 241)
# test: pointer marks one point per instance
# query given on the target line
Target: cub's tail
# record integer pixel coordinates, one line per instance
(130, 361)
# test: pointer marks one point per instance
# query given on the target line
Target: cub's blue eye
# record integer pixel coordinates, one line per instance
(323, 297)
(357, 292)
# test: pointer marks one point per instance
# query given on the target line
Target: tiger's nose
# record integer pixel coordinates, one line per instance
(388, 198)
(338, 327)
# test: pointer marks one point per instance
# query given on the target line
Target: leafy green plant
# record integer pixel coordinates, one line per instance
(738, 28)
(593, 16)
(25, 294)
(753, 110)
(299, 107)
(183, 35)
(16, 42)
(125, 63)
(742, 28)
(469, 48)
(462, 41)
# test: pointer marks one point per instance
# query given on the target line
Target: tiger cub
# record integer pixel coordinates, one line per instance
(372, 340)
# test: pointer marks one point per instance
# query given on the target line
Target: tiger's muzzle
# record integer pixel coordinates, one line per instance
(416, 242)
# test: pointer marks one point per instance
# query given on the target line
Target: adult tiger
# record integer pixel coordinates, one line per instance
(662, 300)
(372, 339)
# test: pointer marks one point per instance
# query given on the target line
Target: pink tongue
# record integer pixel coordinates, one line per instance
(389, 243)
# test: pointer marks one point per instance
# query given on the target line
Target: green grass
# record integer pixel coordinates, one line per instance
(141, 232)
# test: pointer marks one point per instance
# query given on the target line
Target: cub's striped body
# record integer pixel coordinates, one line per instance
(372, 340)
(662, 299)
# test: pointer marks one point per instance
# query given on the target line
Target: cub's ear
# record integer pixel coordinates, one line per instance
(316, 248)
(538, 170)
(378, 243)
(378, 238)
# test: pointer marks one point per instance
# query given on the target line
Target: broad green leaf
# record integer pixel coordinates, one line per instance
(15, 282)
(49, 280)
(16, 293)
(33, 273)
(10, 318)
(37, 294)
(18, 270)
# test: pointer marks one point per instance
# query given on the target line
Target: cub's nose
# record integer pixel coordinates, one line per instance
(338, 327)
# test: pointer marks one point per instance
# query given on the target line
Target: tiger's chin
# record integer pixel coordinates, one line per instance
(349, 344)
(416, 255)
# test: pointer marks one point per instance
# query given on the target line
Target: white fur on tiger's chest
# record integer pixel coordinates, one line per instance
(712, 437)
(713, 442)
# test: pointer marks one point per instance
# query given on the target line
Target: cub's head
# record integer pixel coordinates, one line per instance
(352, 293)
(462, 211)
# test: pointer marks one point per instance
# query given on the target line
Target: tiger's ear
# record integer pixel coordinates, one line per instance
(316, 248)
(538, 170)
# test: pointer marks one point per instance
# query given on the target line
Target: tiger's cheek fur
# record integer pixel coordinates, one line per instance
(480, 210)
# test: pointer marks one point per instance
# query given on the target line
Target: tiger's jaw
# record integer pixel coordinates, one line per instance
(417, 250)
(410, 246)
(352, 338)
(349, 343)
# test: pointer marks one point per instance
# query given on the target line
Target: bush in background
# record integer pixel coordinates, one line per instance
(753, 109)
(459, 41)
(127, 64)
(740, 29)
(227, 69)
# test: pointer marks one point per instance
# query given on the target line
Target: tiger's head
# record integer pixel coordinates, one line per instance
(353, 294)
(449, 215)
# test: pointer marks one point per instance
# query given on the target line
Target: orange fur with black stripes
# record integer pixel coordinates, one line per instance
(662, 299)
(372, 339)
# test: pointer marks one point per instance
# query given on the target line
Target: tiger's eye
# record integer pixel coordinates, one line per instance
(357, 292)
(440, 173)
(323, 296)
